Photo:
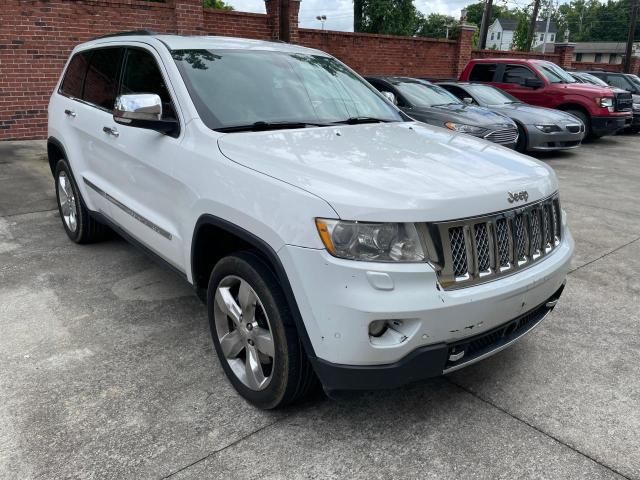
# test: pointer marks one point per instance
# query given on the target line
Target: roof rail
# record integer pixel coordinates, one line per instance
(122, 34)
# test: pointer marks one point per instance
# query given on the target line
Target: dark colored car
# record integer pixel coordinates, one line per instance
(540, 128)
(586, 77)
(545, 84)
(429, 103)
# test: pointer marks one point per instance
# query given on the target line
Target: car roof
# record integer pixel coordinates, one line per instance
(508, 60)
(180, 42)
(394, 78)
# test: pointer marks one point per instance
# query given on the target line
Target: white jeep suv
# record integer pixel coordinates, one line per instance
(331, 236)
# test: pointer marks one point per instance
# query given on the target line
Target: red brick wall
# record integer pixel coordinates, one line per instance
(386, 54)
(552, 57)
(36, 37)
(598, 66)
(236, 24)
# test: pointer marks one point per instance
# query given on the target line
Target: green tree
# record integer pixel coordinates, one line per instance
(475, 11)
(521, 35)
(218, 4)
(436, 26)
(391, 17)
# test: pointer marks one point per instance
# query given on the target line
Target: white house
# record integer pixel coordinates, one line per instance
(500, 33)
(597, 52)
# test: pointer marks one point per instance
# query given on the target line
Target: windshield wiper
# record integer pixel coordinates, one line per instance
(359, 120)
(264, 126)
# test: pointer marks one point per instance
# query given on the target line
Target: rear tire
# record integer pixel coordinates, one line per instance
(262, 355)
(76, 220)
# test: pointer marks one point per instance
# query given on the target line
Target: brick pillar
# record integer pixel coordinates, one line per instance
(189, 17)
(464, 47)
(635, 65)
(565, 50)
(283, 19)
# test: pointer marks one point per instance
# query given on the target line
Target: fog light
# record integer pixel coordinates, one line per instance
(377, 328)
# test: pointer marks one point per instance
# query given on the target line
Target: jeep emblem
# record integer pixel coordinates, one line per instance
(518, 196)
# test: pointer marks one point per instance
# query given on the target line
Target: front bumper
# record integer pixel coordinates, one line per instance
(602, 126)
(564, 140)
(338, 299)
(434, 360)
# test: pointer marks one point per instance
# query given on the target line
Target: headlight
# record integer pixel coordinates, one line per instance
(548, 128)
(636, 106)
(462, 128)
(605, 102)
(373, 242)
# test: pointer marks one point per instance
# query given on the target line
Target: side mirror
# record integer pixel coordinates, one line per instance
(143, 110)
(391, 97)
(468, 100)
(533, 83)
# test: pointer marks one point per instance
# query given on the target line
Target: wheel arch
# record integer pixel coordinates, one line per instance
(55, 152)
(214, 238)
(574, 106)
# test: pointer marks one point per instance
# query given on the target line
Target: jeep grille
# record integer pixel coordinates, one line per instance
(480, 249)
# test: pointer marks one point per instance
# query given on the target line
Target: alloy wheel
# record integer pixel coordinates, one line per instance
(244, 332)
(68, 204)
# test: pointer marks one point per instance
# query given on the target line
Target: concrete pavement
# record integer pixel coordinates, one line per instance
(107, 368)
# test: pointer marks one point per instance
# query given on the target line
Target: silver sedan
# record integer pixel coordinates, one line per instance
(541, 129)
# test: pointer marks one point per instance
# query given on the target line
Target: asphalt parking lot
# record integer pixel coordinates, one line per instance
(107, 368)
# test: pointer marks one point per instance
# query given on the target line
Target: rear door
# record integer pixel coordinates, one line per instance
(91, 114)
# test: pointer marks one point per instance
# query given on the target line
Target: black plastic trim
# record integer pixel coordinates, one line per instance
(58, 144)
(264, 248)
(608, 125)
(137, 244)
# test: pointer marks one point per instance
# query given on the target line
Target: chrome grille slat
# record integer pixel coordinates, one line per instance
(507, 135)
(480, 249)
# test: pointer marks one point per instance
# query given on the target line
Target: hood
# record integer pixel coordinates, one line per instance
(586, 89)
(529, 115)
(458, 113)
(401, 172)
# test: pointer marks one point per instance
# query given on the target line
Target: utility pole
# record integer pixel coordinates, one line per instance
(358, 12)
(546, 30)
(631, 36)
(532, 24)
(484, 25)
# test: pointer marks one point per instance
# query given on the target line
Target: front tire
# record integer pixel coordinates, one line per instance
(523, 141)
(254, 333)
(77, 222)
(584, 118)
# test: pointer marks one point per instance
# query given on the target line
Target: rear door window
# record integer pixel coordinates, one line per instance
(483, 72)
(102, 77)
(74, 76)
(517, 74)
(142, 75)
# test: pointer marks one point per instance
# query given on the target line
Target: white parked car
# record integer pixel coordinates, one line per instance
(331, 236)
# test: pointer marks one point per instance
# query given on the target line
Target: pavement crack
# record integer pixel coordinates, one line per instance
(537, 429)
(222, 449)
(11, 215)
(603, 256)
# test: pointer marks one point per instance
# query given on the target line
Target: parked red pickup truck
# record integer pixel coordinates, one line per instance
(545, 84)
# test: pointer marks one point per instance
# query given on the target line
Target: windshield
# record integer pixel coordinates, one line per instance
(592, 79)
(425, 95)
(634, 79)
(555, 74)
(486, 95)
(235, 88)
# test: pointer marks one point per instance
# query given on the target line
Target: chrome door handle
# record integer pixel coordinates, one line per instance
(111, 131)
(70, 113)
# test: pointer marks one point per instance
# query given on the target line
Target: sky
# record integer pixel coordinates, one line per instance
(340, 12)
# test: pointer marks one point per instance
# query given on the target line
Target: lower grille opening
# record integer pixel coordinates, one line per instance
(466, 350)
